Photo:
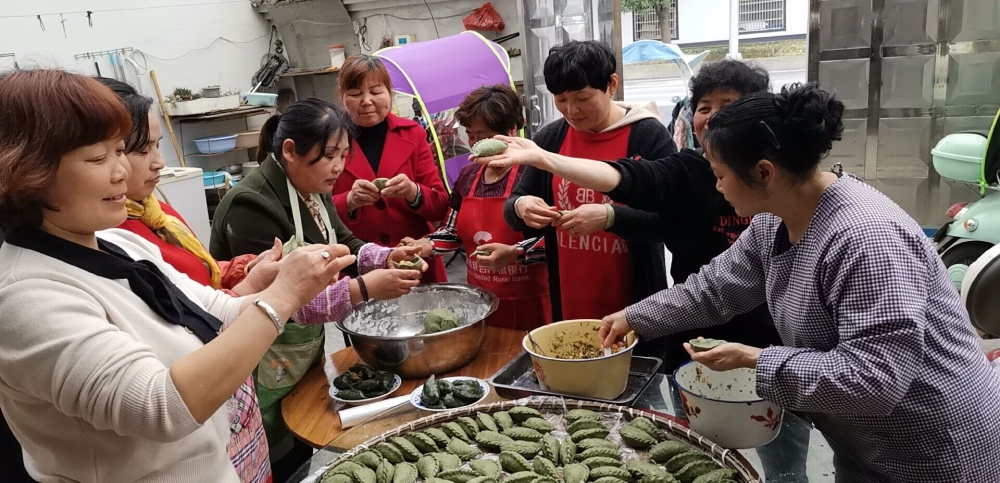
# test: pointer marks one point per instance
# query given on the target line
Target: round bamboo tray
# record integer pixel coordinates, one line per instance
(726, 457)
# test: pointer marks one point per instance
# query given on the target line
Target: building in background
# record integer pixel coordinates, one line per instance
(701, 22)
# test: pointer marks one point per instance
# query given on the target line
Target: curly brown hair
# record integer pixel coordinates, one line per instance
(45, 114)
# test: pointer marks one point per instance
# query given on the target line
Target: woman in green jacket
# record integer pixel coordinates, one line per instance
(288, 198)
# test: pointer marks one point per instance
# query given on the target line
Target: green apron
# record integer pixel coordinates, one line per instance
(293, 353)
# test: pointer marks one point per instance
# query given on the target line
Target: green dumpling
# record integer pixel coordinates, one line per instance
(701, 345)
(380, 183)
(488, 147)
(414, 264)
(291, 245)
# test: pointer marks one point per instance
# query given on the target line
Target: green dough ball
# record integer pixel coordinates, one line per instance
(380, 183)
(438, 320)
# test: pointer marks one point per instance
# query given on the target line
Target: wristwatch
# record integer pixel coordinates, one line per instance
(279, 324)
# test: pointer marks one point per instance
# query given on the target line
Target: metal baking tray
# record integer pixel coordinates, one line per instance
(516, 380)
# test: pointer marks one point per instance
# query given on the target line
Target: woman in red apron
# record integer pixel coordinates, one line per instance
(499, 260)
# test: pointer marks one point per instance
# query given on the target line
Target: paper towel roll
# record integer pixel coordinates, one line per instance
(354, 416)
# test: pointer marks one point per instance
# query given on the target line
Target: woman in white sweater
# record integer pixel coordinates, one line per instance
(113, 365)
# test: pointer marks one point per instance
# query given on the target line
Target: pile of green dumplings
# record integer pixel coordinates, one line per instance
(450, 394)
(363, 382)
(529, 453)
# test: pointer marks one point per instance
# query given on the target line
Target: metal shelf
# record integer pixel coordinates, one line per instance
(200, 155)
(302, 72)
(238, 113)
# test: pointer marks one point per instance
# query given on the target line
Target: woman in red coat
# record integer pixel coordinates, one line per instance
(387, 146)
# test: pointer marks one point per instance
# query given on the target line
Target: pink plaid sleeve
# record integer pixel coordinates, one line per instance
(334, 303)
(330, 305)
(372, 257)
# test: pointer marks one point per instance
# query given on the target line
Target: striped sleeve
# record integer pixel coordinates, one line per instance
(446, 239)
(531, 251)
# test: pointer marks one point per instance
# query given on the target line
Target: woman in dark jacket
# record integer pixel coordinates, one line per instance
(600, 256)
(697, 222)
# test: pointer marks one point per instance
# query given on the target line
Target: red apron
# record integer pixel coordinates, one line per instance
(595, 271)
(523, 290)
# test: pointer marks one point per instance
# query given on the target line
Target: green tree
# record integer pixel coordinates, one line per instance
(662, 9)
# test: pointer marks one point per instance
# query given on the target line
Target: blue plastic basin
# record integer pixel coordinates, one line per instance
(216, 144)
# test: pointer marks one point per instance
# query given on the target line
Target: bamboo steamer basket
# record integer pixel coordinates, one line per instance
(725, 457)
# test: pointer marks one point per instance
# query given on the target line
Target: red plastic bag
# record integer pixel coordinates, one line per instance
(484, 18)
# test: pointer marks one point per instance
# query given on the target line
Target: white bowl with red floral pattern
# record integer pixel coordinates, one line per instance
(725, 408)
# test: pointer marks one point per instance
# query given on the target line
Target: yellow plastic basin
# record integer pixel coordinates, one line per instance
(600, 378)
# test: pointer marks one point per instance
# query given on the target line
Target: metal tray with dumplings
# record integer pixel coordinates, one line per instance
(517, 380)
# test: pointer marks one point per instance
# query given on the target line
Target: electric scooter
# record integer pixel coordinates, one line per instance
(973, 158)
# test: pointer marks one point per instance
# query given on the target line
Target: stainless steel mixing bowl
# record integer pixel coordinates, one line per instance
(384, 333)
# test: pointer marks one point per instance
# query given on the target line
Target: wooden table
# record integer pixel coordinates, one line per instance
(311, 415)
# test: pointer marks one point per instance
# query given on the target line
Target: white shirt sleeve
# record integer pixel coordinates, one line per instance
(57, 345)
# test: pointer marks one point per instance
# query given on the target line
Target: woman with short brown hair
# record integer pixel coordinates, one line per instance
(115, 366)
(387, 146)
(499, 259)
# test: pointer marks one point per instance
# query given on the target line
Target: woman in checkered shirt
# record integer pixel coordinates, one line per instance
(878, 349)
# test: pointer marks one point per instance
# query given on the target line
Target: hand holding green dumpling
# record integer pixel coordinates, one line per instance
(414, 264)
(702, 345)
(488, 147)
(292, 244)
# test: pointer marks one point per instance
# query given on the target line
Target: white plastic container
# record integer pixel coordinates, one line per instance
(249, 167)
(337, 56)
(261, 99)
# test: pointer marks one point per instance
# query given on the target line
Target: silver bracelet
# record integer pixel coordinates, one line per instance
(279, 324)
